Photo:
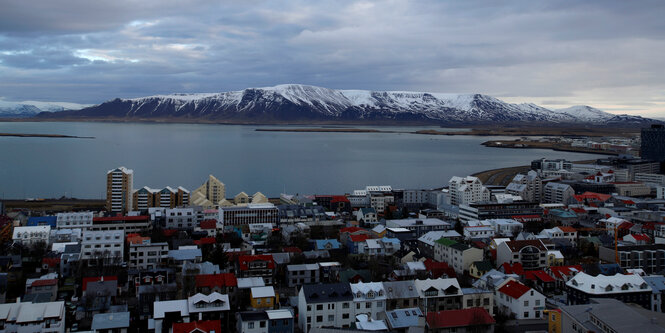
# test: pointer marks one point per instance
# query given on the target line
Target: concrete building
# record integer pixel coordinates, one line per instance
(252, 213)
(439, 294)
(653, 143)
(650, 258)
(209, 194)
(148, 256)
(401, 294)
(466, 190)
(529, 186)
(103, 245)
(419, 227)
(71, 220)
(557, 193)
(532, 254)
(459, 256)
(522, 210)
(167, 197)
(298, 275)
(183, 218)
(119, 182)
(369, 298)
(31, 236)
(650, 178)
(626, 288)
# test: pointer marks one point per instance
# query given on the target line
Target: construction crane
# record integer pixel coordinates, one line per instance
(616, 239)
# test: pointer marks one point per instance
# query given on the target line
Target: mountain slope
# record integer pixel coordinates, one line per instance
(31, 108)
(297, 103)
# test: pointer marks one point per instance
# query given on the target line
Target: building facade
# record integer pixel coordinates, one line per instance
(119, 198)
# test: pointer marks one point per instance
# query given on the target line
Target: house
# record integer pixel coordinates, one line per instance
(532, 254)
(252, 322)
(199, 306)
(478, 298)
(515, 298)
(562, 274)
(281, 321)
(346, 233)
(263, 297)
(32, 236)
(262, 265)
(113, 322)
(426, 241)
(542, 281)
(367, 216)
(419, 226)
(479, 232)
(325, 305)
(401, 294)
(479, 268)
(326, 244)
(223, 283)
(457, 255)
(372, 248)
(464, 320)
(369, 298)
(298, 275)
(555, 258)
(439, 294)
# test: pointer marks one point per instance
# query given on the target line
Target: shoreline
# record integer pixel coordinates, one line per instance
(544, 145)
(35, 135)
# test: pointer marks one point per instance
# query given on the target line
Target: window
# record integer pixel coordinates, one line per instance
(262, 323)
(357, 306)
(368, 305)
(345, 316)
(319, 307)
(526, 314)
(331, 317)
(526, 303)
(345, 305)
(469, 302)
(319, 319)
(250, 325)
(537, 302)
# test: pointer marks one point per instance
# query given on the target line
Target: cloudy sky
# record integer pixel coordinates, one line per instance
(608, 54)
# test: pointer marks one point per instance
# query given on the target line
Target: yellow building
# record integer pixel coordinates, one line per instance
(209, 194)
(263, 297)
(554, 258)
(553, 320)
(119, 192)
(479, 268)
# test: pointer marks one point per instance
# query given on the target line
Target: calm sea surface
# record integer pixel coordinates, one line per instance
(242, 158)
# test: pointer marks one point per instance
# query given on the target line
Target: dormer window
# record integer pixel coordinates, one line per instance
(370, 294)
(608, 288)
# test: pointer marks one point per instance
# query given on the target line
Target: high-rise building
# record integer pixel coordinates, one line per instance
(119, 196)
(653, 143)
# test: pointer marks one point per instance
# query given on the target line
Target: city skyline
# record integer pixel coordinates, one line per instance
(603, 54)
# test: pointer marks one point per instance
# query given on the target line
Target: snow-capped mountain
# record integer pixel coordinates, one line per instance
(31, 108)
(301, 103)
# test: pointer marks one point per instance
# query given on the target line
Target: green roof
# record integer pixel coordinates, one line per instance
(446, 242)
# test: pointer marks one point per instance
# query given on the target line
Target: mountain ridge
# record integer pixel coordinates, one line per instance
(297, 103)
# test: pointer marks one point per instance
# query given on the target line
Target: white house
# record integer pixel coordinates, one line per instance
(107, 245)
(74, 220)
(439, 294)
(457, 255)
(480, 231)
(369, 298)
(513, 297)
(33, 317)
(464, 190)
(148, 256)
(325, 305)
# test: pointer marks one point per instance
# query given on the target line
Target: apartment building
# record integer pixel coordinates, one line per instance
(532, 254)
(31, 236)
(119, 198)
(523, 210)
(103, 245)
(250, 214)
(148, 256)
(465, 190)
(650, 258)
(33, 317)
(626, 288)
(439, 294)
(369, 298)
(557, 193)
(167, 197)
(71, 220)
(401, 294)
(419, 227)
(298, 275)
(209, 194)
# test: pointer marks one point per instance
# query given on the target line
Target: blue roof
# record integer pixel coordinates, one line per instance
(42, 220)
(390, 240)
(403, 317)
(657, 283)
(321, 244)
(185, 254)
(562, 213)
(102, 321)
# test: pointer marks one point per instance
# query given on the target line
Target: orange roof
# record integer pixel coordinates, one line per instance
(567, 229)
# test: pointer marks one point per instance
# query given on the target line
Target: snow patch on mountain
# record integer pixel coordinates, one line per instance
(31, 108)
(585, 112)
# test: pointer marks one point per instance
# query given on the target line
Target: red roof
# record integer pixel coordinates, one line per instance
(459, 318)
(540, 275)
(626, 225)
(567, 229)
(515, 268)
(46, 282)
(359, 238)
(339, 198)
(197, 326)
(292, 249)
(51, 262)
(629, 202)
(564, 271)
(592, 196)
(121, 218)
(244, 260)
(86, 280)
(641, 237)
(351, 229)
(479, 244)
(169, 232)
(208, 224)
(205, 240)
(579, 210)
(216, 280)
(438, 269)
(514, 289)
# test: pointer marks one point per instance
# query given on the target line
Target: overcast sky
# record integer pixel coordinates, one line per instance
(607, 54)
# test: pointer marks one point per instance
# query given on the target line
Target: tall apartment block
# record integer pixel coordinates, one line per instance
(119, 184)
(653, 143)
(167, 197)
